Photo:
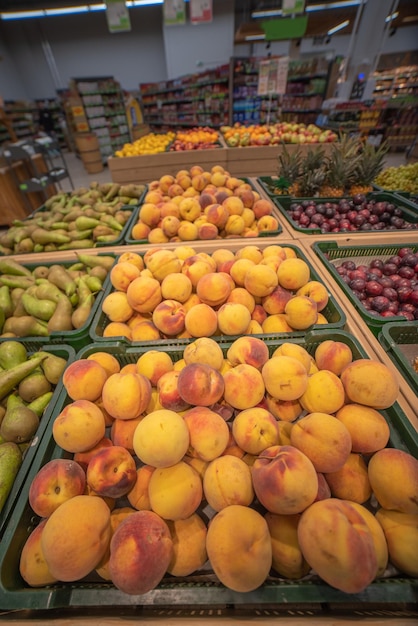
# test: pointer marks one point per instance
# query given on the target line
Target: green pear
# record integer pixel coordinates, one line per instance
(10, 462)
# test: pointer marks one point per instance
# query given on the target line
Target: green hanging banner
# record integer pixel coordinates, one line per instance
(285, 28)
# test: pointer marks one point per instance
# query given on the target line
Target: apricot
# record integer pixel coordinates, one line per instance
(57, 481)
(333, 356)
(175, 492)
(254, 430)
(84, 379)
(161, 438)
(284, 480)
(79, 426)
(288, 560)
(239, 548)
(250, 350)
(189, 545)
(324, 393)
(226, 481)
(351, 481)
(209, 433)
(337, 543)
(368, 428)
(32, 565)
(204, 350)
(200, 384)
(393, 476)
(371, 383)
(401, 533)
(76, 537)
(244, 386)
(285, 377)
(126, 395)
(140, 552)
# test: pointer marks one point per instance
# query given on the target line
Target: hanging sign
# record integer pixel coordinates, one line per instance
(272, 76)
(174, 12)
(291, 7)
(201, 11)
(117, 16)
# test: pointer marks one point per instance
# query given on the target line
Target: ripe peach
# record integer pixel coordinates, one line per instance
(334, 527)
(296, 351)
(247, 196)
(32, 565)
(216, 214)
(293, 274)
(176, 287)
(284, 480)
(239, 530)
(187, 231)
(111, 472)
(106, 360)
(401, 533)
(117, 329)
(157, 235)
(139, 231)
(333, 356)
(222, 255)
(393, 476)
(175, 492)
(276, 324)
(126, 395)
(195, 267)
(84, 458)
(262, 207)
(122, 274)
(276, 300)
(285, 377)
(239, 270)
(116, 306)
(140, 552)
(204, 350)
(79, 426)
(206, 199)
(288, 560)
(138, 495)
(240, 295)
(57, 481)
(190, 209)
(76, 537)
(207, 231)
(235, 225)
(214, 288)
(378, 535)
(285, 429)
(368, 428)
(267, 223)
(153, 364)
(371, 383)
(122, 432)
(260, 280)
(169, 208)
(165, 182)
(254, 430)
(285, 410)
(146, 331)
(116, 517)
(226, 481)
(209, 433)
(201, 320)
(168, 317)
(161, 438)
(351, 481)
(200, 384)
(149, 214)
(301, 312)
(323, 488)
(168, 392)
(84, 379)
(175, 190)
(324, 393)
(244, 386)
(144, 294)
(324, 440)
(233, 318)
(170, 225)
(189, 545)
(259, 314)
(161, 263)
(233, 205)
(250, 350)
(249, 221)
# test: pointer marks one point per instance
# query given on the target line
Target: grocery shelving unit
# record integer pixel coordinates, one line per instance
(23, 117)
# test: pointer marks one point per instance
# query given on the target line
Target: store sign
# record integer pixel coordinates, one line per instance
(291, 7)
(174, 12)
(201, 11)
(272, 76)
(117, 16)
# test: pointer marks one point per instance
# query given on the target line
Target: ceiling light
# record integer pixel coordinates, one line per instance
(392, 17)
(255, 37)
(267, 13)
(66, 10)
(335, 29)
(344, 4)
(20, 15)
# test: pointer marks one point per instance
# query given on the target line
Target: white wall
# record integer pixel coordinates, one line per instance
(10, 82)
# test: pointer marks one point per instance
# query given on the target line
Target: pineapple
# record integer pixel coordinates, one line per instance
(369, 166)
(310, 184)
(289, 167)
(314, 159)
(341, 167)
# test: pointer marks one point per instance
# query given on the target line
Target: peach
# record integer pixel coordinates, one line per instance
(316, 291)
(235, 225)
(276, 324)
(116, 517)
(117, 329)
(214, 288)
(154, 195)
(149, 214)
(126, 395)
(138, 496)
(157, 235)
(154, 403)
(233, 318)
(122, 432)
(207, 231)
(57, 481)
(170, 225)
(285, 377)
(187, 231)
(106, 360)
(393, 476)
(274, 251)
(153, 364)
(122, 274)
(371, 383)
(249, 221)
(227, 481)
(111, 472)
(254, 430)
(144, 293)
(301, 312)
(368, 428)
(233, 205)
(209, 433)
(168, 317)
(140, 552)
(337, 543)
(323, 439)
(116, 306)
(169, 209)
(216, 214)
(323, 488)
(333, 356)
(284, 480)
(284, 429)
(222, 255)
(161, 263)
(401, 534)
(249, 252)
(250, 350)
(189, 545)
(267, 223)
(239, 530)
(183, 252)
(169, 394)
(200, 384)
(260, 280)
(190, 209)
(294, 350)
(324, 393)
(175, 492)
(139, 231)
(239, 270)
(165, 182)
(175, 190)
(262, 207)
(276, 300)
(244, 386)
(240, 295)
(195, 267)
(201, 320)
(84, 458)
(84, 379)
(204, 350)
(76, 537)
(259, 314)
(285, 410)
(176, 287)
(32, 564)
(247, 196)
(293, 274)
(288, 560)
(146, 331)
(79, 426)
(161, 438)
(206, 199)
(351, 481)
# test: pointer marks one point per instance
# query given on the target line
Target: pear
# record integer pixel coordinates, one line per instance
(19, 424)
(53, 367)
(10, 462)
(34, 385)
(12, 353)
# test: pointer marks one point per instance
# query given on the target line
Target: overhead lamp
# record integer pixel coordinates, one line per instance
(66, 10)
(267, 13)
(392, 17)
(259, 37)
(338, 27)
(344, 4)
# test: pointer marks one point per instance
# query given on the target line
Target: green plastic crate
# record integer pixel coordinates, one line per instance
(268, 185)
(400, 342)
(202, 588)
(333, 313)
(130, 241)
(65, 352)
(76, 338)
(409, 212)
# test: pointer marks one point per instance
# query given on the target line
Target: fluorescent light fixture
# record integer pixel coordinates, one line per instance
(392, 17)
(255, 37)
(97, 7)
(335, 29)
(267, 13)
(21, 15)
(344, 4)
(66, 10)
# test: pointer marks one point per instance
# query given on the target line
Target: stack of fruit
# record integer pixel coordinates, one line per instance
(266, 135)
(401, 178)
(288, 474)
(153, 143)
(198, 204)
(200, 138)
